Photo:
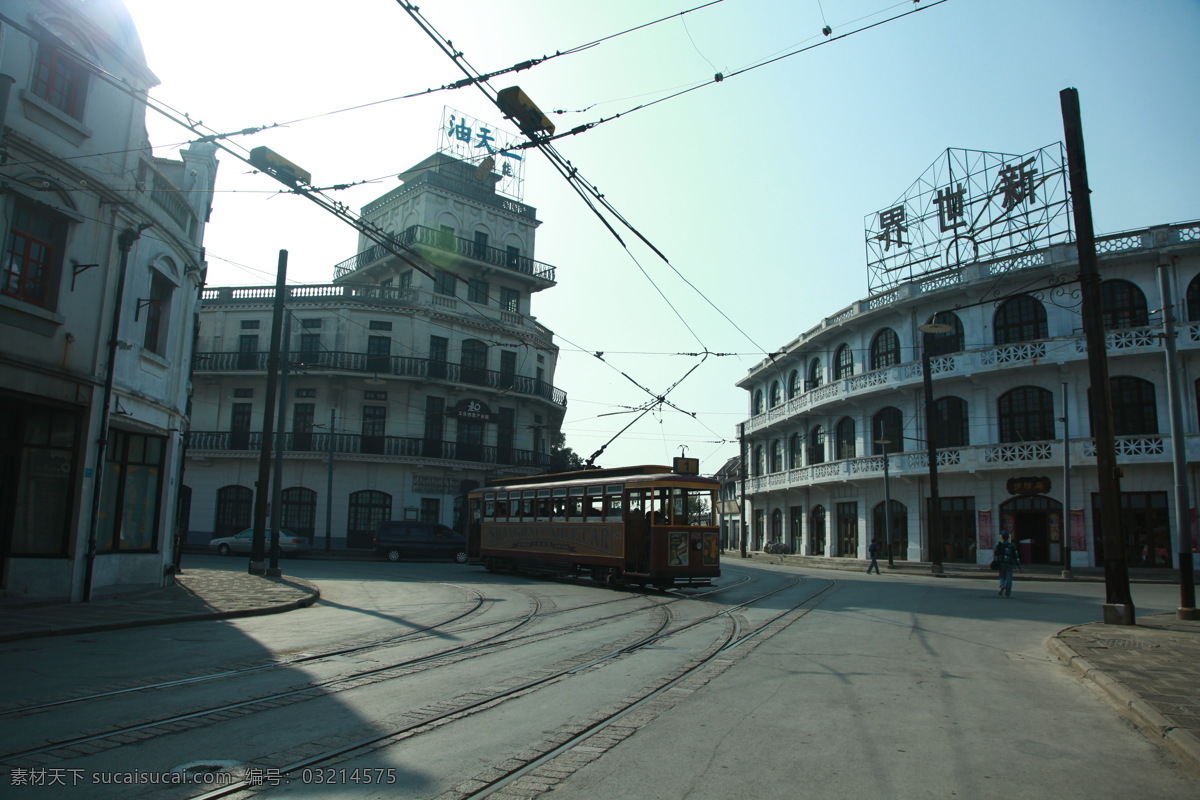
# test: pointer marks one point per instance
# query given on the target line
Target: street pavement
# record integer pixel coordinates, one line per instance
(1149, 671)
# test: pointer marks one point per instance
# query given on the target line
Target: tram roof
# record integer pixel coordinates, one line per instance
(639, 473)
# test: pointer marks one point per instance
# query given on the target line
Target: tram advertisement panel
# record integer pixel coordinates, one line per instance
(582, 539)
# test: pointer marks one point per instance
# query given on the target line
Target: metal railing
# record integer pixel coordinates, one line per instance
(384, 366)
(447, 243)
(318, 442)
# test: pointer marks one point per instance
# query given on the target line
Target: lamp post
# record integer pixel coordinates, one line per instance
(887, 500)
(928, 331)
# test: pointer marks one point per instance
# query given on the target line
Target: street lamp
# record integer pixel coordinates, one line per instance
(887, 500)
(928, 331)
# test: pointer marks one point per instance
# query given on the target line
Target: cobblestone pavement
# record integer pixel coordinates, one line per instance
(1150, 670)
(196, 594)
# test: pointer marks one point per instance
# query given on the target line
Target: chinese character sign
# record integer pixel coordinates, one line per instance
(476, 141)
(969, 206)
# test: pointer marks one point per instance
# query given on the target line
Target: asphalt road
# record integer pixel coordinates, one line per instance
(857, 686)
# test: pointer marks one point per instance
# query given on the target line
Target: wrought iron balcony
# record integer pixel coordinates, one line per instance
(419, 235)
(319, 442)
(384, 366)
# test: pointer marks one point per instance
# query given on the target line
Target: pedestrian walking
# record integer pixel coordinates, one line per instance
(1007, 559)
(873, 553)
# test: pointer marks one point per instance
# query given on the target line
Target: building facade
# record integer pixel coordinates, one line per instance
(101, 270)
(412, 378)
(837, 422)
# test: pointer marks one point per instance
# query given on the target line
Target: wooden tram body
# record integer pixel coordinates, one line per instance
(644, 525)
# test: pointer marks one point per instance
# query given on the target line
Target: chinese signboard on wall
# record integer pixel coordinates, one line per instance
(485, 146)
(970, 206)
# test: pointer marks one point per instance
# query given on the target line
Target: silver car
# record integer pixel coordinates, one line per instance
(289, 543)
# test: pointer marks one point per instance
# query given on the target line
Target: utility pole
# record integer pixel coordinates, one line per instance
(277, 483)
(258, 541)
(1118, 608)
(1183, 524)
(742, 470)
(329, 484)
(125, 242)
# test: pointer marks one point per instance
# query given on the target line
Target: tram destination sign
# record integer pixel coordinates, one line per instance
(489, 148)
(968, 206)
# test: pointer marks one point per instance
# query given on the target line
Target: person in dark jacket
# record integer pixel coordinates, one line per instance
(1009, 559)
(873, 554)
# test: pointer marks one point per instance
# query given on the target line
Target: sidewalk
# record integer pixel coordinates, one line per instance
(1150, 671)
(196, 594)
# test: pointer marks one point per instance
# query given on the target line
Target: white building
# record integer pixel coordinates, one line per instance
(99, 282)
(819, 410)
(413, 379)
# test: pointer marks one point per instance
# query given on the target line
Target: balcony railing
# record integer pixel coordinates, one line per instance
(969, 362)
(970, 459)
(384, 365)
(357, 444)
(447, 243)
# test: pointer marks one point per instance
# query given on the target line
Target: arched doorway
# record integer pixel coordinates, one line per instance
(899, 520)
(299, 511)
(777, 525)
(235, 510)
(816, 537)
(368, 508)
(1035, 524)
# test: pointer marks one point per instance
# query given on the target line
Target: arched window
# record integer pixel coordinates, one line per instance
(760, 461)
(885, 349)
(816, 445)
(368, 508)
(1134, 408)
(796, 450)
(843, 362)
(235, 510)
(816, 373)
(942, 344)
(1019, 319)
(887, 425)
(1123, 305)
(777, 456)
(844, 446)
(950, 422)
(1193, 300)
(794, 387)
(299, 511)
(1026, 415)
(758, 401)
(776, 396)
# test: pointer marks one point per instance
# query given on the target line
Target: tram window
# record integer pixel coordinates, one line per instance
(614, 507)
(558, 504)
(489, 507)
(543, 505)
(637, 505)
(527, 504)
(593, 508)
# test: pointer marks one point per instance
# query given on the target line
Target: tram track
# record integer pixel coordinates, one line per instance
(322, 688)
(444, 713)
(374, 643)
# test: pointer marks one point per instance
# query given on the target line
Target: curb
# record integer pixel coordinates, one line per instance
(1128, 702)
(314, 594)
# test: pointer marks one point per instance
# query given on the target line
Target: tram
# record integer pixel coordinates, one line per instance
(642, 525)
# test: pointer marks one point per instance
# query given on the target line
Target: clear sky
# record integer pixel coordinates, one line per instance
(755, 187)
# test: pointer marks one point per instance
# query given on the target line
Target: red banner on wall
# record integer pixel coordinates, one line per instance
(983, 529)
(1078, 534)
